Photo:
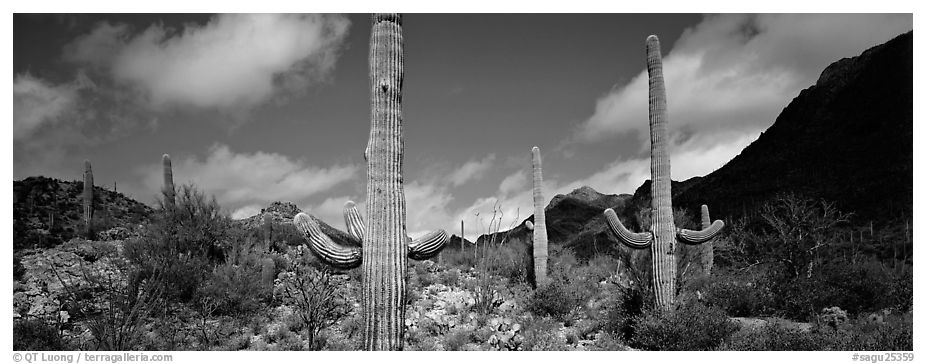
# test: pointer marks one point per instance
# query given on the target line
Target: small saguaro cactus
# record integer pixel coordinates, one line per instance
(539, 226)
(662, 238)
(382, 249)
(168, 181)
(268, 231)
(707, 255)
(88, 194)
(267, 273)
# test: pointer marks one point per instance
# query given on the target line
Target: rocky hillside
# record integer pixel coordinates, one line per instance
(48, 211)
(847, 139)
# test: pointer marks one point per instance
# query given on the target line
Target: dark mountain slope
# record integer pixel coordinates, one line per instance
(846, 139)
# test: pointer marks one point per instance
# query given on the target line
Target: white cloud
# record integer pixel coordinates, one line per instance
(471, 170)
(516, 181)
(739, 71)
(249, 179)
(37, 102)
(233, 63)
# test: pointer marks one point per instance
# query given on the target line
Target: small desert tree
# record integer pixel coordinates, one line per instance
(797, 230)
(314, 292)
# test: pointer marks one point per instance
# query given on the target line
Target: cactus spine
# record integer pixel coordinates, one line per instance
(168, 182)
(88, 194)
(662, 238)
(540, 223)
(384, 249)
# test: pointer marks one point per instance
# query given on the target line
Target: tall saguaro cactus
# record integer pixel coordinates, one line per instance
(540, 223)
(380, 249)
(168, 181)
(662, 238)
(88, 194)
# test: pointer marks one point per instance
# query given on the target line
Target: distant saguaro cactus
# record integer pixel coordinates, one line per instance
(662, 239)
(707, 255)
(169, 191)
(382, 247)
(268, 231)
(88, 194)
(539, 225)
(267, 273)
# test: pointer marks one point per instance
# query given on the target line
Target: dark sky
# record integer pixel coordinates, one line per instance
(254, 109)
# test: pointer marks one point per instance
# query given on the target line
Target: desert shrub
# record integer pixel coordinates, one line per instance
(861, 287)
(543, 335)
(36, 335)
(120, 307)
(457, 339)
(607, 342)
(856, 335)
(772, 337)
(626, 300)
(423, 272)
(462, 259)
(688, 328)
(237, 286)
(314, 292)
(737, 297)
(554, 300)
(508, 261)
(18, 270)
(182, 243)
(450, 277)
(901, 292)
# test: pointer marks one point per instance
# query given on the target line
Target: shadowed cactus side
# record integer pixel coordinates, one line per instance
(267, 273)
(539, 226)
(88, 195)
(663, 237)
(382, 248)
(169, 191)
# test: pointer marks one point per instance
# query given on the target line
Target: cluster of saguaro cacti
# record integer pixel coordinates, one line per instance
(539, 226)
(382, 248)
(88, 194)
(663, 237)
(168, 182)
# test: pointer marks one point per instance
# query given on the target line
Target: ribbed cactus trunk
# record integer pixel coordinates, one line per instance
(88, 195)
(384, 250)
(268, 232)
(540, 223)
(381, 249)
(168, 182)
(663, 247)
(707, 249)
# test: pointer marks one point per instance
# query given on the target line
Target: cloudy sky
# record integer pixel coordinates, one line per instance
(261, 108)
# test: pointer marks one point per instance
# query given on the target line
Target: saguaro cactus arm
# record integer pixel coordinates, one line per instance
(354, 221)
(337, 255)
(700, 236)
(344, 252)
(427, 245)
(630, 239)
